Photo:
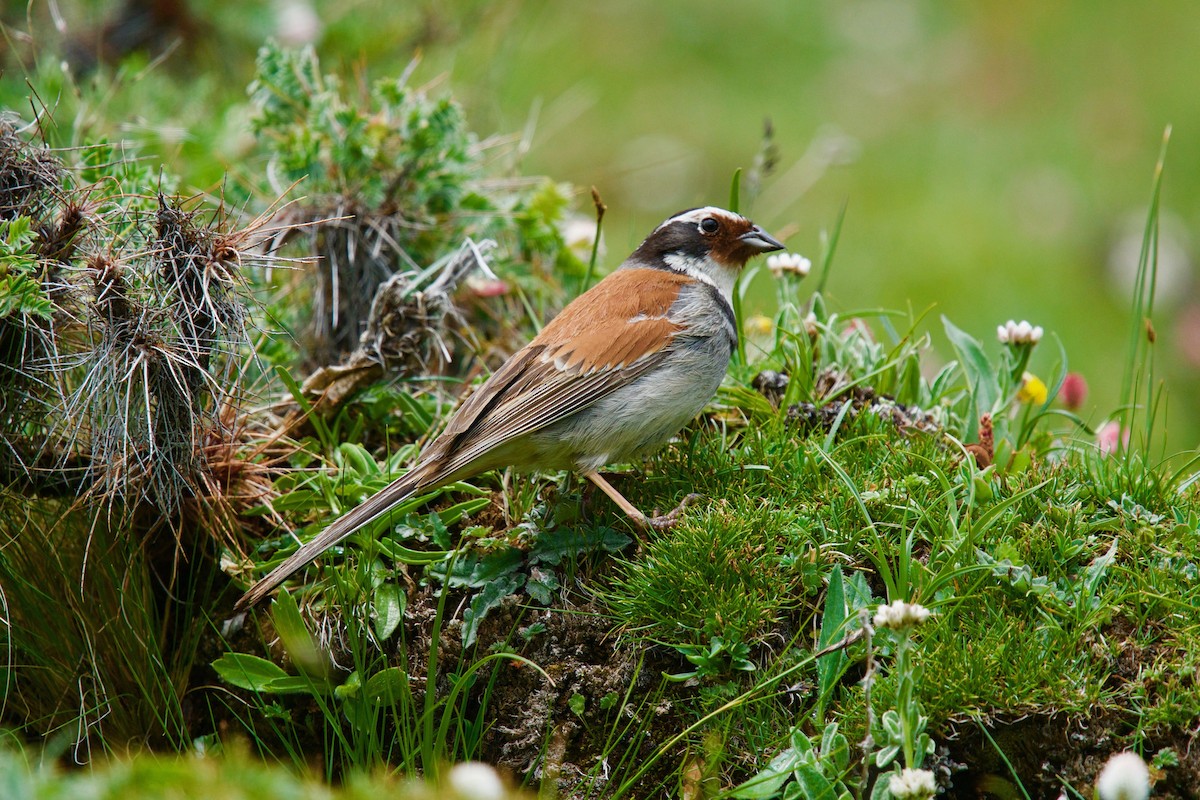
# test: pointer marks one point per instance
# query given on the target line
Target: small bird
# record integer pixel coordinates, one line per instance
(615, 375)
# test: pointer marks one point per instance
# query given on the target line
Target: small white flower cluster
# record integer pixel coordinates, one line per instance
(1124, 777)
(912, 784)
(901, 615)
(1019, 333)
(789, 264)
(474, 780)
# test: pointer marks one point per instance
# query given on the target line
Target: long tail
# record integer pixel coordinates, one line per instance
(370, 510)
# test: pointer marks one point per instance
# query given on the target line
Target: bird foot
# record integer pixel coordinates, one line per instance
(664, 522)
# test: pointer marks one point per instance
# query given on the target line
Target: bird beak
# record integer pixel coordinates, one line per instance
(760, 240)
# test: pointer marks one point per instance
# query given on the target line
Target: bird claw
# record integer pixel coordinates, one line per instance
(664, 522)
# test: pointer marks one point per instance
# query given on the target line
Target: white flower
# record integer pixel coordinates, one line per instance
(912, 784)
(1124, 777)
(788, 264)
(296, 22)
(900, 615)
(474, 780)
(1022, 332)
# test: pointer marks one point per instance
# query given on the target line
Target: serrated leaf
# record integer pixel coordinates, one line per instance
(542, 585)
(481, 569)
(491, 596)
(553, 546)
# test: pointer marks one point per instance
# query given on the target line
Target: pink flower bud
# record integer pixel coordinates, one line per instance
(1073, 391)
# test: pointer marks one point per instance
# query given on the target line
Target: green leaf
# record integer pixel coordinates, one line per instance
(454, 513)
(577, 704)
(542, 585)
(350, 687)
(297, 684)
(832, 666)
(880, 790)
(389, 603)
(982, 382)
(421, 418)
(248, 672)
(886, 755)
(299, 643)
(406, 555)
(813, 785)
(480, 569)
(770, 780)
(835, 747)
(491, 596)
(387, 685)
(569, 541)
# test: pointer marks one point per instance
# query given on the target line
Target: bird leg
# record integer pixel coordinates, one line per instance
(659, 523)
(667, 520)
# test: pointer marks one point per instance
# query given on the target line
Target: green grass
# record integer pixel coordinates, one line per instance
(515, 618)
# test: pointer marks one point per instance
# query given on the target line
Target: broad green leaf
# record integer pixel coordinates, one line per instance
(246, 671)
(387, 685)
(553, 546)
(832, 666)
(770, 780)
(813, 784)
(299, 643)
(389, 603)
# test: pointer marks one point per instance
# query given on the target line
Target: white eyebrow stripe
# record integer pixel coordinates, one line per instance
(697, 214)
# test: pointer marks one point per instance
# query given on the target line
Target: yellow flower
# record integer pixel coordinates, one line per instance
(759, 325)
(1032, 389)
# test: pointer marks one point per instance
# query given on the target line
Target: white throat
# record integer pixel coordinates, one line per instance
(705, 270)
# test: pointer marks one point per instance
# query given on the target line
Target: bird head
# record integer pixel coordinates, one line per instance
(710, 244)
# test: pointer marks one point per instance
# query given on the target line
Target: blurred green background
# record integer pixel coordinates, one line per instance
(995, 159)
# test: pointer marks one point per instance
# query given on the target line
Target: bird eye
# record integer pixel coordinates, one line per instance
(709, 225)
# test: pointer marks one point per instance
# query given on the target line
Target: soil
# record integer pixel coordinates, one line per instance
(557, 730)
(1049, 752)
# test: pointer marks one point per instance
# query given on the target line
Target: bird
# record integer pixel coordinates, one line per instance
(618, 372)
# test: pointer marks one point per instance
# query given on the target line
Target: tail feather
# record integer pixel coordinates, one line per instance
(370, 510)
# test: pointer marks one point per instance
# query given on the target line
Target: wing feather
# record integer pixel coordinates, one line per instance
(608, 337)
